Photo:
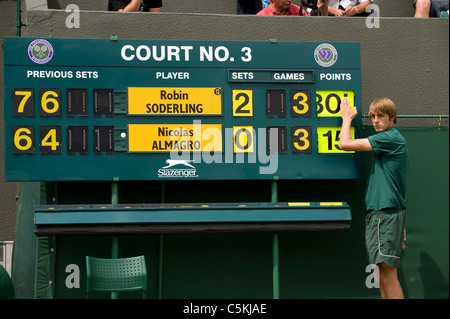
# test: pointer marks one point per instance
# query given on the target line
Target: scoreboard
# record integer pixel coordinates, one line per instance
(101, 109)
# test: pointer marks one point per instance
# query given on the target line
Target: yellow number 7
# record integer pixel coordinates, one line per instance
(26, 96)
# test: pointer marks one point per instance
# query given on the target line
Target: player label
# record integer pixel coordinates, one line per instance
(174, 137)
(174, 101)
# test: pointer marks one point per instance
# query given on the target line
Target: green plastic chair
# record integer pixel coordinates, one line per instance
(115, 275)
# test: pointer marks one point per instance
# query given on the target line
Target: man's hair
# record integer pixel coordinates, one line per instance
(381, 106)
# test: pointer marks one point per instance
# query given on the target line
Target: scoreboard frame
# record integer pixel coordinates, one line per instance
(100, 109)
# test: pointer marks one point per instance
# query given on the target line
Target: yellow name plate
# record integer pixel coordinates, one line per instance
(174, 137)
(174, 101)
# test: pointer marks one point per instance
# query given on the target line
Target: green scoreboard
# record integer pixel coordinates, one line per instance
(105, 109)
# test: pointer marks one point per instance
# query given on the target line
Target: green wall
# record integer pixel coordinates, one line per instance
(312, 265)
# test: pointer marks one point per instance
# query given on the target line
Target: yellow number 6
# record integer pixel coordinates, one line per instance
(22, 135)
(45, 100)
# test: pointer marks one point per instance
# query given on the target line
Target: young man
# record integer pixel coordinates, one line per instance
(386, 189)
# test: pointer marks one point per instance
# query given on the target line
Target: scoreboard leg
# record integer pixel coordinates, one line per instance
(275, 275)
(275, 252)
(115, 240)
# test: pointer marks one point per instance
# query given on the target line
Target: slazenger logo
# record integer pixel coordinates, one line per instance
(40, 51)
(325, 55)
(168, 171)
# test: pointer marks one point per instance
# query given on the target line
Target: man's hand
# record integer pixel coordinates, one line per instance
(347, 112)
(346, 142)
(350, 11)
(404, 238)
(339, 13)
(322, 6)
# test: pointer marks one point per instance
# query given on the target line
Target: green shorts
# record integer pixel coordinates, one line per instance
(384, 236)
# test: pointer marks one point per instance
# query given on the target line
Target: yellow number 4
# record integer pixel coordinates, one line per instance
(50, 140)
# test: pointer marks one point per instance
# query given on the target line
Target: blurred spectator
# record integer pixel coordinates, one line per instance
(135, 5)
(124, 5)
(250, 6)
(316, 7)
(282, 7)
(429, 8)
(348, 8)
(152, 5)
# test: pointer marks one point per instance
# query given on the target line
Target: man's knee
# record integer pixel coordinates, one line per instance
(390, 287)
(387, 272)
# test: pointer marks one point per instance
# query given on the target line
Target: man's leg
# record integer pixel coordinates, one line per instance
(152, 5)
(389, 285)
(423, 9)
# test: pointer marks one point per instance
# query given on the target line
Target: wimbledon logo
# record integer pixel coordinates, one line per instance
(325, 55)
(40, 51)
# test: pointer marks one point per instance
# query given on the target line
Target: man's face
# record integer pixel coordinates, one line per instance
(381, 122)
(283, 4)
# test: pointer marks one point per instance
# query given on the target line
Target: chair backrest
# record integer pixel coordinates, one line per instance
(114, 275)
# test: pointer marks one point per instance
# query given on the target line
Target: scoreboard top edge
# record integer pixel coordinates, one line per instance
(28, 39)
(180, 53)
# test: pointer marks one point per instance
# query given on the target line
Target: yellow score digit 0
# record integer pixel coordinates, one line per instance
(244, 138)
(329, 102)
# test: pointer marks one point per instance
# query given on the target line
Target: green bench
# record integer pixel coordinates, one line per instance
(120, 219)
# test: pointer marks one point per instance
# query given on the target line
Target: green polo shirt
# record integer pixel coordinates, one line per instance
(386, 187)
